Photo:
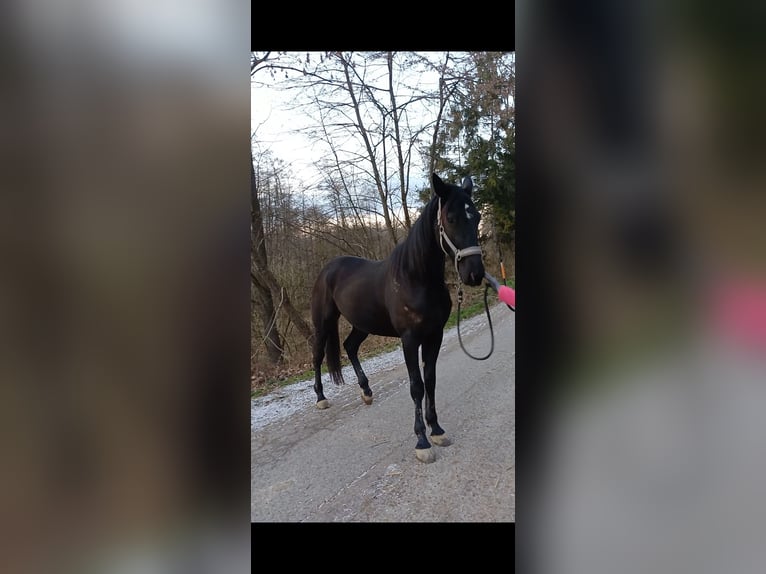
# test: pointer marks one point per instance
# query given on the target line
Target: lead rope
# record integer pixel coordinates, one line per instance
(489, 320)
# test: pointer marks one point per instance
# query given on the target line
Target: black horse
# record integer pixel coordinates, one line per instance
(402, 296)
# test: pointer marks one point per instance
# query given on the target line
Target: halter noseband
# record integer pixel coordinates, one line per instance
(459, 253)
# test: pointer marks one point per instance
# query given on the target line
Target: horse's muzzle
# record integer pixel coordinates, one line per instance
(471, 270)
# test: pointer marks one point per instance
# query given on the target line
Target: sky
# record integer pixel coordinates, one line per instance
(280, 130)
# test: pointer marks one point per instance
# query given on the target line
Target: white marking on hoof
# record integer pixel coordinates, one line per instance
(367, 400)
(440, 439)
(323, 404)
(425, 454)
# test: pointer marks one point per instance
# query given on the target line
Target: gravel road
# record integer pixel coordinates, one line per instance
(356, 463)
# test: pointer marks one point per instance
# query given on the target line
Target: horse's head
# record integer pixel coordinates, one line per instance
(457, 226)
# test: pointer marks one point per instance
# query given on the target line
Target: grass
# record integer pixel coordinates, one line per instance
(466, 312)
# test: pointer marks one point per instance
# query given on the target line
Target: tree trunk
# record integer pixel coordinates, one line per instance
(262, 275)
(399, 155)
(370, 152)
(443, 99)
(277, 291)
(264, 301)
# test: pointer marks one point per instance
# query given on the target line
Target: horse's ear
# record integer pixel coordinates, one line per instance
(468, 184)
(439, 188)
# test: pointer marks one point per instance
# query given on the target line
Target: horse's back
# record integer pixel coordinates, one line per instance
(345, 268)
(356, 287)
(322, 295)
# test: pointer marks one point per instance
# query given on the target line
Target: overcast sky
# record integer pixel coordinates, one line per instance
(280, 130)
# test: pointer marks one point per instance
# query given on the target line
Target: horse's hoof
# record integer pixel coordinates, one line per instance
(440, 439)
(425, 454)
(323, 404)
(367, 399)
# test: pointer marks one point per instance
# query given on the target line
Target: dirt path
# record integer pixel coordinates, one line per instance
(357, 463)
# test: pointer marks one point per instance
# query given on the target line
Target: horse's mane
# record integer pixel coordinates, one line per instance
(419, 254)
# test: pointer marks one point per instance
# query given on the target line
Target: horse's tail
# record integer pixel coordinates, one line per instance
(325, 316)
(332, 352)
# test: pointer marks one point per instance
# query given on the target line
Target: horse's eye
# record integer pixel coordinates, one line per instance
(450, 218)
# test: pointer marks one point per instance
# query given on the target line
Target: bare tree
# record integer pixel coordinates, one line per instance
(447, 87)
(369, 118)
(265, 285)
(380, 182)
(262, 271)
(263, 300)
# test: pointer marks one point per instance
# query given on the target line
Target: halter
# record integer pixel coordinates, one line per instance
(459, 254)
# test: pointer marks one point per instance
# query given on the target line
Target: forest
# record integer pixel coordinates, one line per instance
(379, 123)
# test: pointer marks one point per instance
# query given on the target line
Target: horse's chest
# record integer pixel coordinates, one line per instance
(413, 316)
(424, 315)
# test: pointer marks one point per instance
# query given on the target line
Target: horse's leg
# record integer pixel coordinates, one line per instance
(320, 339)
(430, 354)
(423, 448)
(351, 344)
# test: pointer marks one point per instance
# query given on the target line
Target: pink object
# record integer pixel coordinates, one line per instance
(507, 295)
(739, 310)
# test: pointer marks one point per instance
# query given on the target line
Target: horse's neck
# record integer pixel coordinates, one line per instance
(435, 263)
(428, 266)
(432, 272)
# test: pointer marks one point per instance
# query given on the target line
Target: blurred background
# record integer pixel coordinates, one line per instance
(641, 256)
(124, 305)
(124, 298)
